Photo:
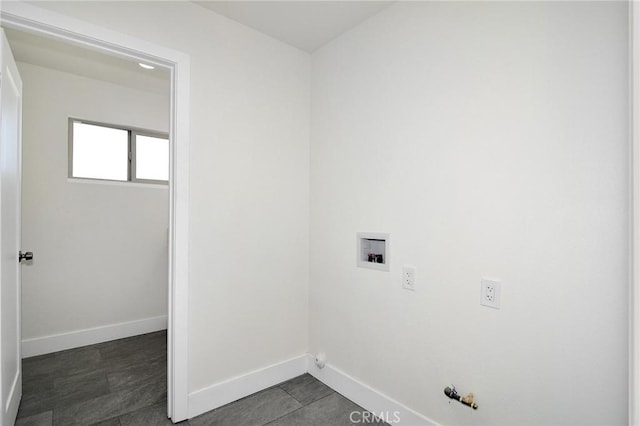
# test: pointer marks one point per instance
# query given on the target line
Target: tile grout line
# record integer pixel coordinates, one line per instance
(300, 402)
(297, 409)
(285, 391)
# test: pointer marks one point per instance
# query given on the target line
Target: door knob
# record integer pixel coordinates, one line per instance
(25, 256)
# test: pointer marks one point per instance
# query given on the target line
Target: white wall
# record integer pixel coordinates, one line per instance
(488, 139)
(249, 183)
(100, 249)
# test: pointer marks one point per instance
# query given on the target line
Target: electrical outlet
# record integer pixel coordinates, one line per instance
(490, 293)
(409, 277)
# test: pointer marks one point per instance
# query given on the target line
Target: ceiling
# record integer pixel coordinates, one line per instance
(305, 24)
(73, 59)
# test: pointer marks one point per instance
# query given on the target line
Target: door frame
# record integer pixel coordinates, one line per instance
(11, 401)
(35, 20)
(634, 151)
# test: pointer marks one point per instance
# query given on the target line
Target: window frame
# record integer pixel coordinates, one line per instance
(132, 154)
(131, 146)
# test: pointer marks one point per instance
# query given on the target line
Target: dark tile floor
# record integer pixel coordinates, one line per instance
(124, 383)
(111, 382)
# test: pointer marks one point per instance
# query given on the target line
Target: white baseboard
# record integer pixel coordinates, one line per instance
(90, 336)
(238, 387)
(376, 402)
(368, 398)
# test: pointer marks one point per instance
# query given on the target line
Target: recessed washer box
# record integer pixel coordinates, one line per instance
(373, 250)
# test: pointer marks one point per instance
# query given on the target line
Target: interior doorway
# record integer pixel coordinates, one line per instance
(100, 234)
(37, 21)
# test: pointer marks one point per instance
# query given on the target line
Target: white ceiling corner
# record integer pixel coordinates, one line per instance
(305, 24)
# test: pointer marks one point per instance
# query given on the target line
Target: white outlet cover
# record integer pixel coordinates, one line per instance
(409, 277)
(490, 292)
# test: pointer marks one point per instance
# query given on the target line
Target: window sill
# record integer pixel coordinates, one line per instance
(117, 183)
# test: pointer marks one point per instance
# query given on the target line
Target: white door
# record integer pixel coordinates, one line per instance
(10, 201)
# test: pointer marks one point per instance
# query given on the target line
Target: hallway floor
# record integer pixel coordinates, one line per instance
(124, 383)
